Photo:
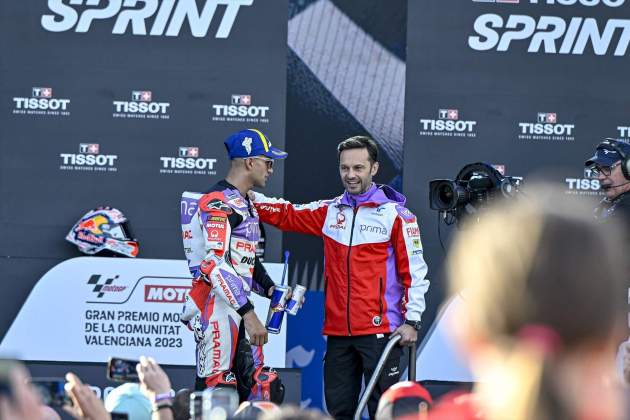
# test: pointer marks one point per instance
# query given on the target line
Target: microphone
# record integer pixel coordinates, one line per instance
(607, 187)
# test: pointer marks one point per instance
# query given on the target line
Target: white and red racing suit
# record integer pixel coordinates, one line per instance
(220, 230)
(374, 269)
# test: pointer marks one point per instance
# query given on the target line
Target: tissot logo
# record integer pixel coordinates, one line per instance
(624, 131)
(448, 124)
(546, 127)
(242, 100)
(141, 106)
(588, 185)
(191, 152)
(188, 162)
(88, 159)
(41, 102)
(104, 285)
(150, 17)
(240, 109)
(589, 3)
(90, 148)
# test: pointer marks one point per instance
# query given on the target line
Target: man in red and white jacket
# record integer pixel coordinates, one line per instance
(374, 273)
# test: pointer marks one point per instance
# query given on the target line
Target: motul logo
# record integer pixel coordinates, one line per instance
(164, 294)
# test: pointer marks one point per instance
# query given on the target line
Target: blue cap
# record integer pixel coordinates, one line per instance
(249, 143)
(607, 153)
(129, 399)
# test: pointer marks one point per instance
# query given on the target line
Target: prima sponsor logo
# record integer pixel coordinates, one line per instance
(240, 109)
(546, 127)
(165, 293)
(448, 124)
(587, 185)
(89, 159)
(373, 229)
(155, 18)
(141, 106)
(187, 162)
(549, 34)
(41, 102)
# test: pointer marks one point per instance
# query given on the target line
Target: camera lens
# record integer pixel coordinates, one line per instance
(447, 196)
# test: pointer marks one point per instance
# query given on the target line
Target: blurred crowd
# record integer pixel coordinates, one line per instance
(151, 398)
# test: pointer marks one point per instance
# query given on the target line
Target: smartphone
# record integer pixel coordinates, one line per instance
(122, 370)
(51, 390)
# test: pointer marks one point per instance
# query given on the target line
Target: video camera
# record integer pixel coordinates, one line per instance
(476, 185)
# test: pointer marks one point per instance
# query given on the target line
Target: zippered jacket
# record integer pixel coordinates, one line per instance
(374, 271)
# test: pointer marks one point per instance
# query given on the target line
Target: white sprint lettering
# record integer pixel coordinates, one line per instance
(64, 17)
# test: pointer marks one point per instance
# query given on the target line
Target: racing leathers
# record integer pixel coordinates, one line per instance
(220, 232)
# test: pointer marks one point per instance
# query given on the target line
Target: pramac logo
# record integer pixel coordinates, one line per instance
(341, 221)
(155, 18)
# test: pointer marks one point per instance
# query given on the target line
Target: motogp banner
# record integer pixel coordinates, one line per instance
(126, 104)
(528, 86)
(89, 308)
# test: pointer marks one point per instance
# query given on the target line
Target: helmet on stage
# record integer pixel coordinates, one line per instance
(103, 230)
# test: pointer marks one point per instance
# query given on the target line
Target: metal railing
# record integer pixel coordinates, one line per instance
(369, 388)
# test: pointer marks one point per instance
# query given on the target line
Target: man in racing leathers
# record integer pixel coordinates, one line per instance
(220, 231)
(374, 274)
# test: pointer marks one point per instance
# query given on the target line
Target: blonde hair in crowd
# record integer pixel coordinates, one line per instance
(539, 261)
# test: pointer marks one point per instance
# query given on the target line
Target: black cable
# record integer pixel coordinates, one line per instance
(440, 232)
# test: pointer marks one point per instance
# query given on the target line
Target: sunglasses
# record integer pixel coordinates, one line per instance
(268, 162)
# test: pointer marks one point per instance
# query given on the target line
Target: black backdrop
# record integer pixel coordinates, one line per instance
(466, 105)
(90, 78)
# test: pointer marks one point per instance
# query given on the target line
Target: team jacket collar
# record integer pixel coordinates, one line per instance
(374, 196)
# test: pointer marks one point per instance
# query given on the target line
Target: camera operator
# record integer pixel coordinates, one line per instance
(610, 165)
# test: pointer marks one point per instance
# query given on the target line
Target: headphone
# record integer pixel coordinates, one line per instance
(625, 160)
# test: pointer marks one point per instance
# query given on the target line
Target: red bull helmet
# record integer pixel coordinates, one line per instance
(103, 229)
